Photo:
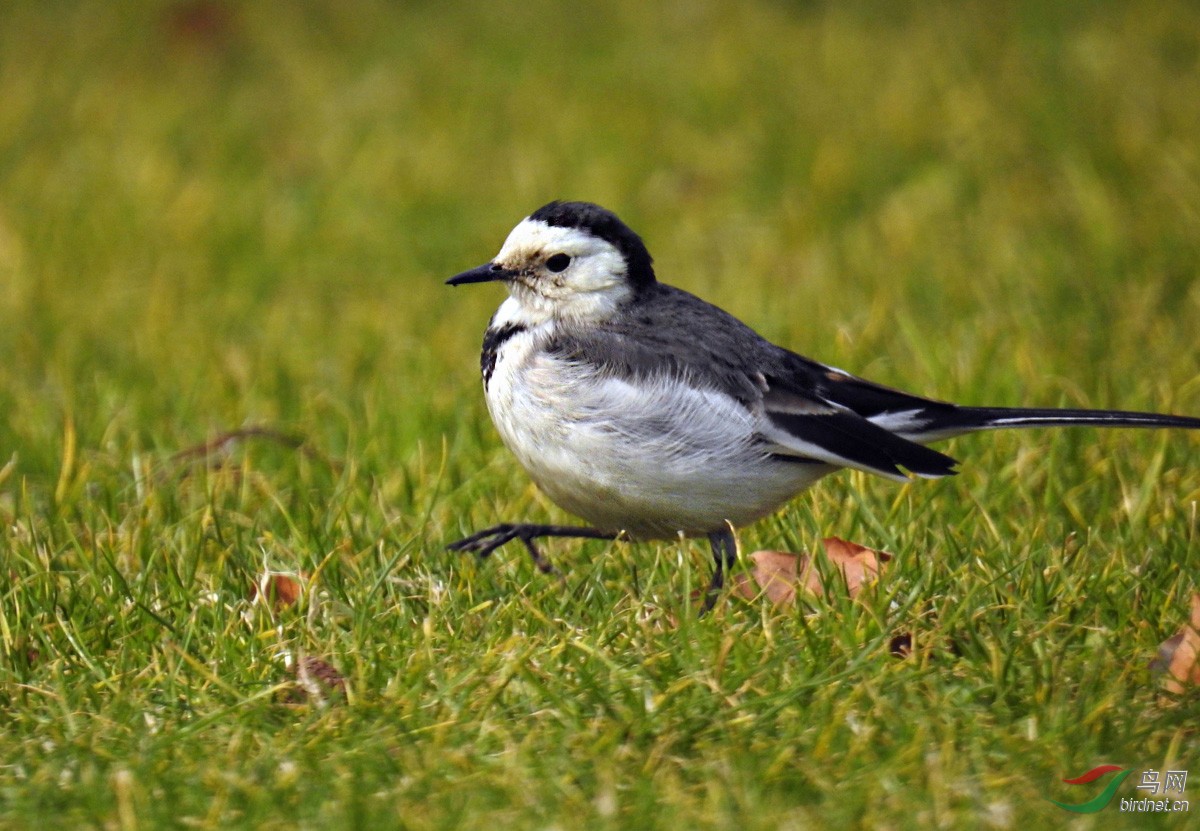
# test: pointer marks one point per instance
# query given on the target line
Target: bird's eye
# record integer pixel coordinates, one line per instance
(558, 262)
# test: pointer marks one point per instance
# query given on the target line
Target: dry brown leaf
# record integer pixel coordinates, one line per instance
(317, 681)
(1179, 655)
(278, 589)
(773, 573)
(858, 563)
(777, 574)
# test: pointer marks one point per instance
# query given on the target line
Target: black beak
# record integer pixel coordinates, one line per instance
(486, 273)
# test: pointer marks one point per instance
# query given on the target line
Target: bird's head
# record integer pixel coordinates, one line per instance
(568, 260)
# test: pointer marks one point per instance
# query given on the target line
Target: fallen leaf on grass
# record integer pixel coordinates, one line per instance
(777, 574)
(1179, 655)
(858, 563)
(278, 589)
(316, 681)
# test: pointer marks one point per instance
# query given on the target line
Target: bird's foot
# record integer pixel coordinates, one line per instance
(484, 542)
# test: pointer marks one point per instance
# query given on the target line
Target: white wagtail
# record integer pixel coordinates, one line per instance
(653, 414)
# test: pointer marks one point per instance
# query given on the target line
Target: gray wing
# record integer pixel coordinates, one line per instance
(810, 412)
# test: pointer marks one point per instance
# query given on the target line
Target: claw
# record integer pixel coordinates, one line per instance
(484, 542)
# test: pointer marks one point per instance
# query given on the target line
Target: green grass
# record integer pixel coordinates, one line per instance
(243, 217)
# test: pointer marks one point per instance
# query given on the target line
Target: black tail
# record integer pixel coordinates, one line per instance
(969, 419)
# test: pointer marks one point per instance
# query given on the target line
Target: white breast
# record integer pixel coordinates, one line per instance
(654, 458)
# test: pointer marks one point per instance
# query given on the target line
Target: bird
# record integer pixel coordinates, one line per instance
(652, 414)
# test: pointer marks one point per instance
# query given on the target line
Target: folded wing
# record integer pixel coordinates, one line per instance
(802, 425)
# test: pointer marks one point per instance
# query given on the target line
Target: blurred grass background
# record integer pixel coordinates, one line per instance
(215, 215)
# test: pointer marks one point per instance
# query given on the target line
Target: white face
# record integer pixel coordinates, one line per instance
(562, 273)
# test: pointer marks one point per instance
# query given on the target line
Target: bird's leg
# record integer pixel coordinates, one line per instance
(724, 548)
(488, 540)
